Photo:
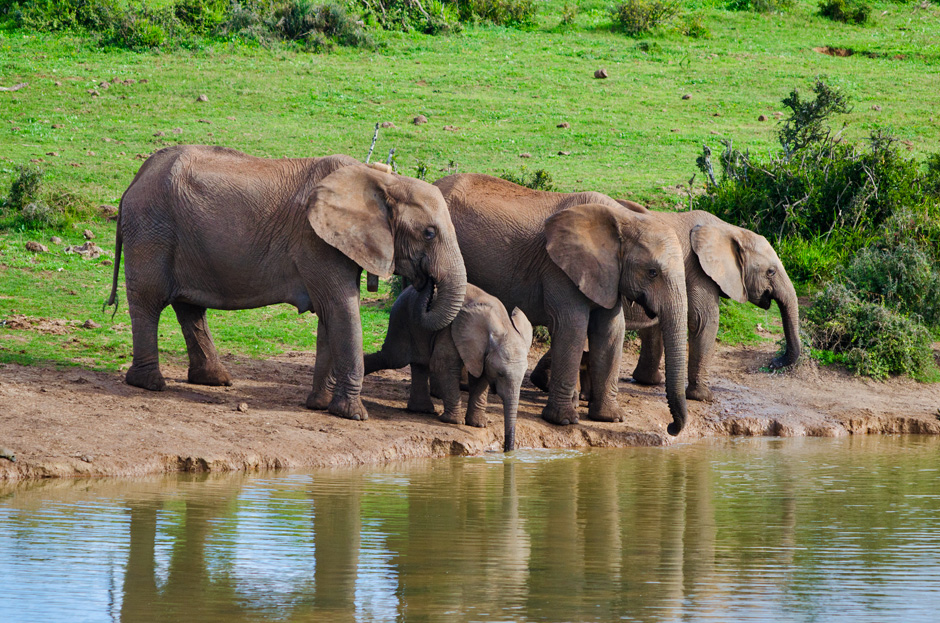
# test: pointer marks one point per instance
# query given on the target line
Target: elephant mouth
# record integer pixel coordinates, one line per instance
(765, 300)
(427, 289)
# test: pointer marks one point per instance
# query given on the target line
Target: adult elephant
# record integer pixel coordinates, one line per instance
(213, 227)
(721, 260)
(568, 261)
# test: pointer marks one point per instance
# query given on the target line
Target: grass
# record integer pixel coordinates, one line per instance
(503, 90)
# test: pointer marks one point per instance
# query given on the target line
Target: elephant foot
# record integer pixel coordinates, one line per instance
(606, 412)
(145, 377)
(648, 378)
(699, 392)
(476, 418)
(319, 400)
(563, 415)
(452, 417)
(539, 378)
(348, 408)
(210, 375)
(421, 406)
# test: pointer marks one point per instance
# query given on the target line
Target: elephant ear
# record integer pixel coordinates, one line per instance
(471, 332)
(522, 326)
(719, 253)
(584, 241)
(350, 211)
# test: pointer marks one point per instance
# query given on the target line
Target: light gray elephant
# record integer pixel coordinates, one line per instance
(491, 344)
(570, 261)
(212, 227)
(721, 260)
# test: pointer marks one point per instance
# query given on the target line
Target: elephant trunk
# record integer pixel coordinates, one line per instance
(510, 408)
(443, 294)
(674, 323)
(790, 313)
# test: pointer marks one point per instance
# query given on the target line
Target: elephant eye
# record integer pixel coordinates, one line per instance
(771, 272)
(430, 233)
(653, 273)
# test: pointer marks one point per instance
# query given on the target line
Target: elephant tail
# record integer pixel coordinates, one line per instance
(118, 240)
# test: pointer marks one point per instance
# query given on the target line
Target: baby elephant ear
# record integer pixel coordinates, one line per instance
(522, 325)
(350, 211)
(584, 241)
(720, 256)
(471, 332)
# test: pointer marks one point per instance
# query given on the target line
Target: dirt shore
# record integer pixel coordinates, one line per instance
(76, 422)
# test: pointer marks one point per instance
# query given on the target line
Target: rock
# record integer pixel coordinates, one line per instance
(525, 154)
(88, 234)
(87, 458)
(105, 85)
(57, 83)
(563, 124)
(52, 153)
(205, 121)
(107, 263)
(202, 98)
(687, 96)
(564, 153)
(420, 119)
(450, 128)
(177, 130)
(387, 124)
(8, 454)
(93, 93)
(778, 115)
(243, 407)
(141, 156)
(108, 211)
(717, 114)
(55, 240)
(600, 74)
(762, 118)
(56, 126)
(91, 324)
(36, 247)
(876, 108)
(88, 250)
(159, 133)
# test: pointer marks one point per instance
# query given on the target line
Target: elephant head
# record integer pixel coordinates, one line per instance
(392, 224)
(496, 344)
(614, 254)
(746, 268)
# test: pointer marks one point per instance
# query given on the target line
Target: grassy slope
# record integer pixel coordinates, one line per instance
(504, 90)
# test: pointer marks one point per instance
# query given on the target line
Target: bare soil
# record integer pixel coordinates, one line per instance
(77, 422)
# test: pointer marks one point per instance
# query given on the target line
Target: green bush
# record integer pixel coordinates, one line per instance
(759, 6)
(871, 339)
(932, 178)
(694, 26)
(846, 11)
(29, 206)
(811, 260)
(500, 12)
(315, 24)
(539, 179)
(636, 17)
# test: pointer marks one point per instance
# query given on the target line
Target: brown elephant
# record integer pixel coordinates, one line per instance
(491, 344)
(569, 261)
(212, 227)
(721, 260)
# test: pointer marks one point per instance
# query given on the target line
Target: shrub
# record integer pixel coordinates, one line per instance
(811, 260)
(694, 26)
(759, 6)
(538, 180)
(28, 206)
(315, 25)
(568, 14)
(846, 11)
(636, 17)
(807, 123)
(932, 178)
(201, 16)
(500, 12)
(872, 340)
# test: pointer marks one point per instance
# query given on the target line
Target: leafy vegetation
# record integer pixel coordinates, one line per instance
(637, 17)
(30, 206)
(536, 180)
(845, 11)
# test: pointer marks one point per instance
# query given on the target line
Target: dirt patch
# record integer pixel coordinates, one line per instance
(846, 52)
(76, 422)
(45, 326)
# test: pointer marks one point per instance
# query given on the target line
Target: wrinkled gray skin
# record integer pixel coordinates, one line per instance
(212, 227)
(570, 261)
(721, 260)
(491, 344)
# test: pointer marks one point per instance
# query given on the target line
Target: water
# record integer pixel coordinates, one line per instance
(739, 530)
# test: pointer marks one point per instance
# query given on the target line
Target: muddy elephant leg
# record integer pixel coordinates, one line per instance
(323, 381)
(344, 328)
(605, 350)
(541, 373)
(567, 346)
(476, 402)
(446, 368)
(419, 399)
(145, 368)
(205, 367)
(648, 369)
(701, 350)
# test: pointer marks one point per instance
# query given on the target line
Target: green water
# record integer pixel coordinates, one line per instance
(740, 530)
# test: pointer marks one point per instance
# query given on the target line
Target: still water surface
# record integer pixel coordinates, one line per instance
(740, 530)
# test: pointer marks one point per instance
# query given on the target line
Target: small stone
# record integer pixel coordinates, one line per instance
(563, 124)
(57, 83)
(525, 154)
(159, 133)
(205, 121)
(8, 454)
(202, 98)
(778, 115)
(52, 153)
(762, 118)
(93, 93)
(876, 108)
(107, 263)
(420, 119)
(177, 130)
(564, 153)
(243, 407)
(89, 235)
(91, 324)
(687, 96)
(56, 126)
(55, 240)
(105, 85)
(387, 124)
(108, 211)
(108, 140)
(450, 128)
(717, 114)
(36, 247)
(600, 74)
(141, 156)
(87, 458)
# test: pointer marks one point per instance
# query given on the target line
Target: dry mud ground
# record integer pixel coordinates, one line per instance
(76, 422)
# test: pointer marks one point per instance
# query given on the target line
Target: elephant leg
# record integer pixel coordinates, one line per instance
(344, 333)
(145, 367)
(419, 400)
(476, 402)
(541, 373)
(323, 380)
(605, 350)
(205, 367)
(567, 346)
(446, 368)
(701, 350)
(648, 369)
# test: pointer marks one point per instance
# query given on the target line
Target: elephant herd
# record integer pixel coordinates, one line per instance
(209, 227)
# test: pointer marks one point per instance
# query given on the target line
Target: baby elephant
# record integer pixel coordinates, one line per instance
(493, 346)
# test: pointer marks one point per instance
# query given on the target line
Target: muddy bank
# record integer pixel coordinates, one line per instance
(75, 422)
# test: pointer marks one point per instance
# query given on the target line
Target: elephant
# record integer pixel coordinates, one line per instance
(721, 260)
(211, 227)
(570, 261)
(492, 344)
